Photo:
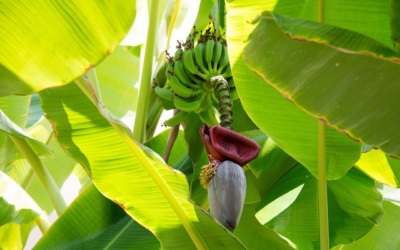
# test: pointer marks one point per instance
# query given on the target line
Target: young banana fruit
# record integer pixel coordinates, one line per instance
(181, 89)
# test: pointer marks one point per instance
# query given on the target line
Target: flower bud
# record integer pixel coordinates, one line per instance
(226, 194)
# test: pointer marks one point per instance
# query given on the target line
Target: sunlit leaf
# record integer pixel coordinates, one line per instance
(44, 50)
(380, 167)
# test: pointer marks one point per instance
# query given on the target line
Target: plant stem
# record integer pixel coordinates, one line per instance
(221, 16)
(322, 189)
(144, 91)
(43, 224)
(173, 134)
(321, 11)
(43, 174)
(153, 115)
(322, 184)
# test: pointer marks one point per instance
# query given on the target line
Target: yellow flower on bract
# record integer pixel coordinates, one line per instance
(208, 171)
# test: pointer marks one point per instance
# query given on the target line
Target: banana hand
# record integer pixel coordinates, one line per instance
(182, 90)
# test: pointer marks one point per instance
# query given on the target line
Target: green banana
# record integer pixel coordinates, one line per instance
(178, 54)
(217, 54)
(168, 70)
(234, 94)
(208, 53)
(176, 119)
(179, 71)
(215, 100)
(208, 117)
(188, 62)
(224, 59)
(164, 93)
(192, 77)
(198, 57)
(204, 104)
(182, 90)
(190, 104)
(228, 72)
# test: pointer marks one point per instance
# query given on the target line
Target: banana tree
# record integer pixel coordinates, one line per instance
(199, 124)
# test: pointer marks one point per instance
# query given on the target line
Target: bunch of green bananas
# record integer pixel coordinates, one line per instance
(190, 72)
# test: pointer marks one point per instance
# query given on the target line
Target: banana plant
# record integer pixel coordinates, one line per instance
(204, 124)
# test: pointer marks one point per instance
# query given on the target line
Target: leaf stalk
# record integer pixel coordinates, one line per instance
(41, 171)
(145, 82)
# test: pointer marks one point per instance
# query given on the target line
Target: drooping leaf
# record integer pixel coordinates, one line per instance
(380, 167)
(129, 174)
(354, 206)
(319, 71)
(292, 129)
(384, 236)
(35, 110)
(41, 51)
(10, 128)
(16, 109)
(16, 206)
(98, 224)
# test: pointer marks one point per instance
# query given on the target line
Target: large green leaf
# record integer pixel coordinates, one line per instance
(380, 167)
(14, 236)
(293, 130)
(98, 223)
(129, 174)
(369, 17)
(320, 81)
(384, 236)
(53, 43)
(16, 206)
(354, 206)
